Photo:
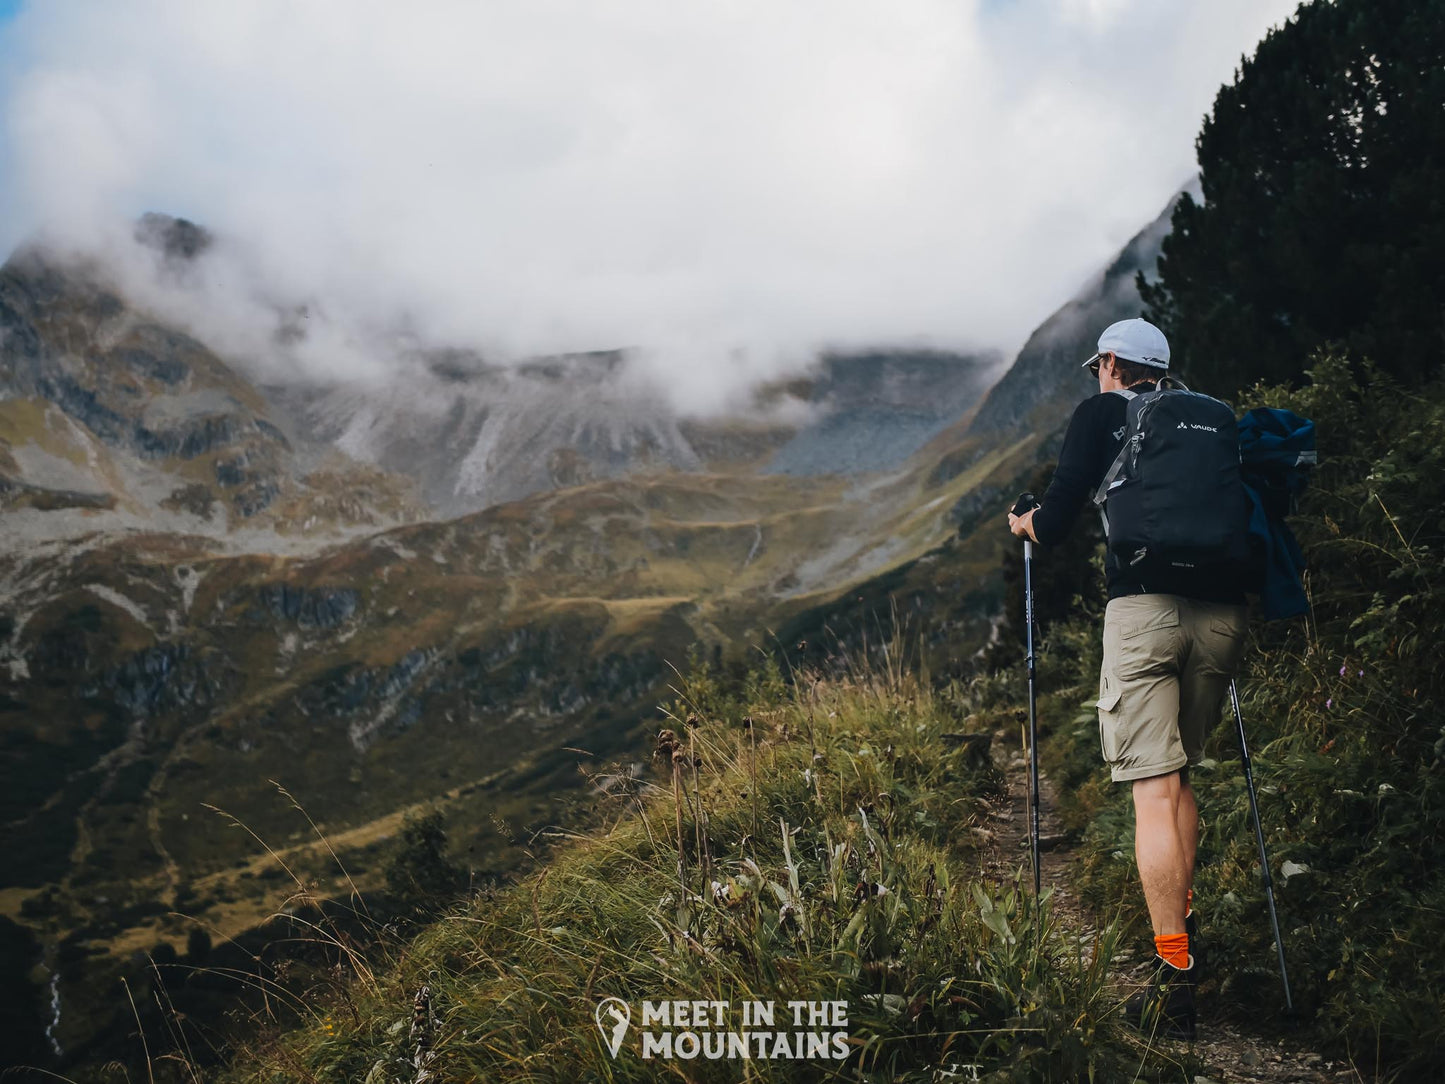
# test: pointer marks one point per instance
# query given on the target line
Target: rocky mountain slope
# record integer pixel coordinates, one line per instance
(153, 680)
(209, 589)
(472, 434)
(106, 409)
(111, 418)
(1042, 380)
(947, 594)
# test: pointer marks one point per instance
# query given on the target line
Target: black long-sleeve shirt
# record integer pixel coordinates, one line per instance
(1091, 443)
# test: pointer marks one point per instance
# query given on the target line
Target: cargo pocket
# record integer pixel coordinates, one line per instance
(1227, 629)
(1109, 693)
(1226, 645)
(1141, 636)
(1156, 619)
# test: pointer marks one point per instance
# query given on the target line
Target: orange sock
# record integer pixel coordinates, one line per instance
(1173, 948)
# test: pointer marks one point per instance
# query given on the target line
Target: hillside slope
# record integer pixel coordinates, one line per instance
(149, 677)
(819, 841)
(158, 666)
(817, 845)
(952, 595)
(1040, 385)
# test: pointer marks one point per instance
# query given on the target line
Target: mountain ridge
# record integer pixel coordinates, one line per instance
(391, 656)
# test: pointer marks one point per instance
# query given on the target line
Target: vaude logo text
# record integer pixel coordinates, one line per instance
(1195, 425)
(713, 1029)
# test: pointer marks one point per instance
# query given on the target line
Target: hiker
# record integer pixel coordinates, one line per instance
(1173, 637)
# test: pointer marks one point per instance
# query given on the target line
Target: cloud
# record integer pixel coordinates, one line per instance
(724, 186)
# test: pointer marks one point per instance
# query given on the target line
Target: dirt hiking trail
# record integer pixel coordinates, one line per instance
(1231, 1052)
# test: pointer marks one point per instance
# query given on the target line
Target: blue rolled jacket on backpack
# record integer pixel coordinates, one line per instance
(1276, 455)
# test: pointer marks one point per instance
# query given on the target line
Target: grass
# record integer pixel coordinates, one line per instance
(805, 841)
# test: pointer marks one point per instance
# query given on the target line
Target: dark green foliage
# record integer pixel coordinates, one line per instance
(1345, 715)
(1357, 701)
(1323, 170)
(421, 874)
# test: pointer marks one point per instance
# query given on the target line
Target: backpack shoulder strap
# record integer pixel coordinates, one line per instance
(1118, 465)
(1110, 477)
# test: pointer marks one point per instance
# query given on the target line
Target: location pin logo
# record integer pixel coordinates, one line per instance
(613, 1016)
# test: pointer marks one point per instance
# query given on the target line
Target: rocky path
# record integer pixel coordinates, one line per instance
(1231, 1054)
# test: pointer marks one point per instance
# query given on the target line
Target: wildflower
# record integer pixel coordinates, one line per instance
(1342, 671)
(1362, 673)
(1329, 703)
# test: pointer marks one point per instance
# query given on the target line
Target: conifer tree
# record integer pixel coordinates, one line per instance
(1323, 173)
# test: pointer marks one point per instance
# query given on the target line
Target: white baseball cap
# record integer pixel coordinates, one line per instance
(1134, 340)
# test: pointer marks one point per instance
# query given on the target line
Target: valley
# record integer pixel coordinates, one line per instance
(219, 603)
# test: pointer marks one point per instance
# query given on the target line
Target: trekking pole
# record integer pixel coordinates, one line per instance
(1026, 502)
(1259, 837)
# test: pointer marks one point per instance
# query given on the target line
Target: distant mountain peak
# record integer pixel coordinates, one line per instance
(177, 239)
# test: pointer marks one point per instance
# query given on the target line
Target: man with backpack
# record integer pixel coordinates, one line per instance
(1164, 467)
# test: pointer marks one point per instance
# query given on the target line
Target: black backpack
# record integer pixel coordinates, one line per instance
(1173, 498)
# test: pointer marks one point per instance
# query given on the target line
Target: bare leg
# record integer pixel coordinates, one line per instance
(1188, 821)
(1160, 850)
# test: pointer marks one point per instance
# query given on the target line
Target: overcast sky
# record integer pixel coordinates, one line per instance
(725, 183)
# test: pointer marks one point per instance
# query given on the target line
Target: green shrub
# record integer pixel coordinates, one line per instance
(420, 875)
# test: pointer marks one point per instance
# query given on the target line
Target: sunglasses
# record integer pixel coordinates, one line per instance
(1094, 365)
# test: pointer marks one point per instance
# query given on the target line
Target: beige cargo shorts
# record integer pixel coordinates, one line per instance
(1167, 664)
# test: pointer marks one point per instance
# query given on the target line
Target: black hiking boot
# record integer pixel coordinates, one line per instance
(1199, 959)
(1166, 1005)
